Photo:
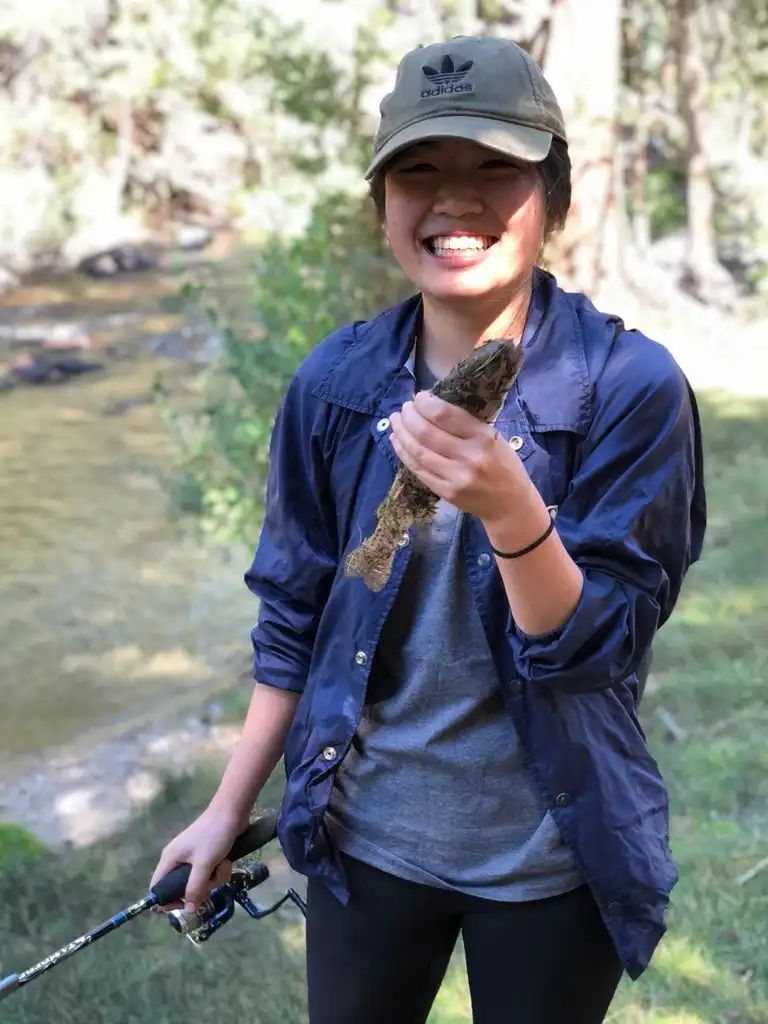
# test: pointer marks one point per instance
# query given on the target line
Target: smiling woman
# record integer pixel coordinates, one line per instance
(461, 743)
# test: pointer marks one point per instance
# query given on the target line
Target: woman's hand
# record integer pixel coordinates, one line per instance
(464, 461)
(204, 844)
(459, 457)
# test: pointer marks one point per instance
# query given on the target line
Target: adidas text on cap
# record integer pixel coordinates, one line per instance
(477, 88)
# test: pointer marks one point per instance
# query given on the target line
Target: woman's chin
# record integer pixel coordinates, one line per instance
(459, 287)
(481, 282)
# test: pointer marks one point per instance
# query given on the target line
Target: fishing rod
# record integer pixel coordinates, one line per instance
(197, 925)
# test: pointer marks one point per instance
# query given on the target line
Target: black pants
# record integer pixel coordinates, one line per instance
(381, 958)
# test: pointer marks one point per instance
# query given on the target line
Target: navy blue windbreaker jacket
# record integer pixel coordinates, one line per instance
(610, 435)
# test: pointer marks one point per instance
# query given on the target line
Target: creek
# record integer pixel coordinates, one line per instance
(110, 614)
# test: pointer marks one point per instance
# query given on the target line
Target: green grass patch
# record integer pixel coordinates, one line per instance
(17, 846)
(710, 674)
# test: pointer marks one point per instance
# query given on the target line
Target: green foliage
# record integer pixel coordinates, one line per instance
(298, 290)
(301, 291)
(103, 105)
(490, 10)
(113, 115)
(666, 199)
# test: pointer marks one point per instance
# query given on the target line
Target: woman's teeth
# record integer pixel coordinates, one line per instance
(445, 245)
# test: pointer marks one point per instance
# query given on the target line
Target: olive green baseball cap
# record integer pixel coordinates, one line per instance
(479, 88)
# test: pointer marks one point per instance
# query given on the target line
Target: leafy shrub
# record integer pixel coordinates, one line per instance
(299, 291)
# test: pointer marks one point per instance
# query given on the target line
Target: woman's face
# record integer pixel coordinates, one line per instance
(462, 221)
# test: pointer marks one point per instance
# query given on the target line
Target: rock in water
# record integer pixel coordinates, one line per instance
(478, 384)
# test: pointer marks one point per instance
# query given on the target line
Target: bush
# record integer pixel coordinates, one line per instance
(298, 291)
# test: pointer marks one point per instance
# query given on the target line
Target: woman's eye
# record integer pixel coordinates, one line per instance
(416, 168)
(496, 165)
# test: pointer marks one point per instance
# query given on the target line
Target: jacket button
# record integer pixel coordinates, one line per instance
(614, 908)
(382, 425)
(484, 560)
(563, 799)
(329, 753)
(404, 540)
(516, 443)
(361, 658)
(516, 686)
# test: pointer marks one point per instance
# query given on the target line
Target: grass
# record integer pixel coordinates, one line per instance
(710, 673)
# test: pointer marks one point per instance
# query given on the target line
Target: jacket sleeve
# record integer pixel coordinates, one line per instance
(633, 521)
(296, 557)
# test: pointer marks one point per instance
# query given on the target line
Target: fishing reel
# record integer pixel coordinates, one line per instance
(199, 925)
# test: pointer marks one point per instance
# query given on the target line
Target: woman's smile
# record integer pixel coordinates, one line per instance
(456, 249)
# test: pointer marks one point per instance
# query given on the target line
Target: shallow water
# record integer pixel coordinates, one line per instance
(108, 613)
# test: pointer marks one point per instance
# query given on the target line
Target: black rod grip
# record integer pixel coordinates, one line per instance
(171, 887)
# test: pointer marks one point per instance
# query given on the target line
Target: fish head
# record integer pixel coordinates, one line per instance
(491, 367)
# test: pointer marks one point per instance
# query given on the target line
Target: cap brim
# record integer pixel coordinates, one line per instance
(516, 140)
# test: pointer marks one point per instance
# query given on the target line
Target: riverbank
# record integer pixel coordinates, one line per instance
(94, 787)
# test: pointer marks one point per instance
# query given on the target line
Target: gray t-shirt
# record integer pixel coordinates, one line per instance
(433, 788)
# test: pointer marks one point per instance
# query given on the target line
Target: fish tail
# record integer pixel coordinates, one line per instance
(369, 563)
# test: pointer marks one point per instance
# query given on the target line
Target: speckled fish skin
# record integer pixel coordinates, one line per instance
(478, 384)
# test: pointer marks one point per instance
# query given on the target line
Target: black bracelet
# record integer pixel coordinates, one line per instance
(531, 547)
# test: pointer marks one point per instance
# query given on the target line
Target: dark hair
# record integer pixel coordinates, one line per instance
(555, 174)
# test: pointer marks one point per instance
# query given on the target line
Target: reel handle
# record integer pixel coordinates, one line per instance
(171, 887)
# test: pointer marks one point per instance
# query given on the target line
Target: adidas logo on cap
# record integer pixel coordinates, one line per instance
(448, 79)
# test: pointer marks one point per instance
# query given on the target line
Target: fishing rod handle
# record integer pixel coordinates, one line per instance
(171, 887)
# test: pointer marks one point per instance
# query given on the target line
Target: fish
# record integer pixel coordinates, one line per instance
(478, 383)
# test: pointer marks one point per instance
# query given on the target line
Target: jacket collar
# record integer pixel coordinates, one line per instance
(554, 385)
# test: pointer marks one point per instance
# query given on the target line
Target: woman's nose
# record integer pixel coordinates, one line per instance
(457, 199)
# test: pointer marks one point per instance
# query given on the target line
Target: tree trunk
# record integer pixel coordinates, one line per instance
(582, 62)
(636, 80)
(703, 273)
(525, 21)
(641, 220)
